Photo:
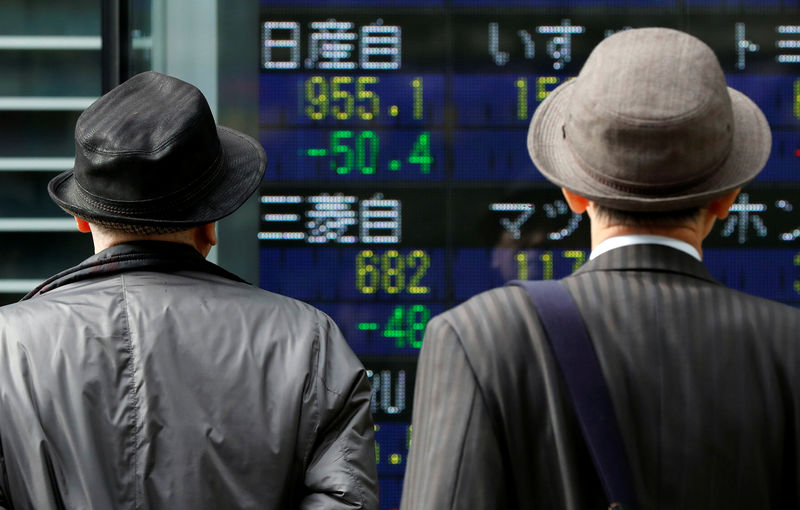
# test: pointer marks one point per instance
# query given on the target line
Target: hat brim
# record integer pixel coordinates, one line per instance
(552, 156)
(243, 164)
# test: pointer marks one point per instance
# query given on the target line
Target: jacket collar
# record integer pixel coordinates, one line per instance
(156, 256)
(648, 257)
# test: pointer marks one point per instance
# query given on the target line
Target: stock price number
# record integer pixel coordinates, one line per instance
(546, 261)
(391, 437)
(358, 151)
(542, 87)
(392, 272)
(353, 97)
(405, 325)
(796, 284)
(796, 99)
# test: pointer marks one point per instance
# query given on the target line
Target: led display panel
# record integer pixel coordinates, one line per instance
(399, 183)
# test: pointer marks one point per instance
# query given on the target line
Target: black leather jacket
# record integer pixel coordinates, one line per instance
(148, 378)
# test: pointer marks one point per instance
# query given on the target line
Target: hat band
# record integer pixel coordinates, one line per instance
(653, 189)
(175, 200)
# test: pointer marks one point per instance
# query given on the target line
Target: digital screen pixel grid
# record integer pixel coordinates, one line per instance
(399, 183)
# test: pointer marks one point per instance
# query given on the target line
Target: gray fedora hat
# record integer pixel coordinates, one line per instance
(148, 153)
(649, 124)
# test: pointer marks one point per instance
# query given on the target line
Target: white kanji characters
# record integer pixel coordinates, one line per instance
(560, 46)
(331, 218)
(388, 391)
(514, 226)
(788, 44)
(281, 34)
(380, 220)
(280, 222)
(381, 46)
(331, 45)
(552, 210)
(743, 45)
(501, 57)
(742, 216)
(560, 208)
(794, 234)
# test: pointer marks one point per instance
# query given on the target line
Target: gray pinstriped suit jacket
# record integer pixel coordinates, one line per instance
(705, 382)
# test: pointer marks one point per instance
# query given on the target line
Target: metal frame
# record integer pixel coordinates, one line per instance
(48, 42)
(115, 36)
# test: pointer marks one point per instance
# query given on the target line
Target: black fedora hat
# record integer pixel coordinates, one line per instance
(148, 153)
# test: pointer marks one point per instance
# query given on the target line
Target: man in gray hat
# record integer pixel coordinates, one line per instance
(147, 377)
(650, 142)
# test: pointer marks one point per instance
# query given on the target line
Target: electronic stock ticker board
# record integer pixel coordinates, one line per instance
(399, 182)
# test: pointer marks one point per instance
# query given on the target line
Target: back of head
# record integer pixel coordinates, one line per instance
(649, 124)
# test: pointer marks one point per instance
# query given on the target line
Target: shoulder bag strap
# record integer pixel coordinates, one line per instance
(576, 357)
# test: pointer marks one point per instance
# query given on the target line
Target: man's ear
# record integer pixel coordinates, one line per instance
(210, 231)
(720, 206)
(83, 225)
(577, 203)
(205, 237)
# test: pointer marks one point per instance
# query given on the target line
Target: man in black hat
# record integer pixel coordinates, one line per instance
(704, 381)
(147, 377)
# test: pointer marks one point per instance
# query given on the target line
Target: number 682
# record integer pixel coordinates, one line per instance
(392, 272)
